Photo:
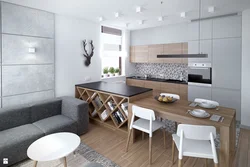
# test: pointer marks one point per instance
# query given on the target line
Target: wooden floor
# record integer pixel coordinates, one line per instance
(112, 145)
(242, 158)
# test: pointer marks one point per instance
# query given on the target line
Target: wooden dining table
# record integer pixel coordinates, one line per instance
(178, 112)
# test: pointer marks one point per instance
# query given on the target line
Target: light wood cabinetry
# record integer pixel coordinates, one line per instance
(132, 54)
(185, 51)
(148, 53)
(156, 86)
(175, 48)
(170, 87)
(153, 51)
(134, 82)
(139, 54)
(161, 87)
(183, 92)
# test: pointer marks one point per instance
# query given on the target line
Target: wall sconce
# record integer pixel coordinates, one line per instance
(32, 50)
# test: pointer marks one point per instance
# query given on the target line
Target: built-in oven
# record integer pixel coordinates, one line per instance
(200, 74)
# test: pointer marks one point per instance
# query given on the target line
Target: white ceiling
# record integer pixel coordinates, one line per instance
(171, 9)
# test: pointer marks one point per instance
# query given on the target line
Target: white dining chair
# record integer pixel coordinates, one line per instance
(198, 100)
(195, 141)
(146, 123)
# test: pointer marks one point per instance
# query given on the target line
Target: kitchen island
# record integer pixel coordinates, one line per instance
(108, 102)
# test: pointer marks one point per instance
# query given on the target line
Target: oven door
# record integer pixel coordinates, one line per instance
(200, 74)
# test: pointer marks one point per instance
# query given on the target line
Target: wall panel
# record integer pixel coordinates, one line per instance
(26, 77)
(27, 98)
(16, 50)
(26, 21)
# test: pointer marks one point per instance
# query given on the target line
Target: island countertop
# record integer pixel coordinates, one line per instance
(115, 88)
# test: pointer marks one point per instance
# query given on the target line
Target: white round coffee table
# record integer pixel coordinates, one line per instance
(54, 146)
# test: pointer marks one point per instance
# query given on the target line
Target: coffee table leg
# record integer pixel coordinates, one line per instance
(65, 162)
(35, 163)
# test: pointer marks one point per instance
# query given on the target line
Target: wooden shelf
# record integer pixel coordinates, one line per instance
(110, 121)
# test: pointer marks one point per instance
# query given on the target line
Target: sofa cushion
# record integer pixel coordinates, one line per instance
(15, 142)
(58, 123)
(45, 109)
(15, 116)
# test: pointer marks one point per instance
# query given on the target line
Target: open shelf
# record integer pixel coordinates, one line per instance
(99, 102)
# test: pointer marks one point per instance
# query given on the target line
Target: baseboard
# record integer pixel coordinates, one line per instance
(245, 127)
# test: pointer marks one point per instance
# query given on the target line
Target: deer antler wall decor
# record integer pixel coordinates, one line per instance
(86, 54)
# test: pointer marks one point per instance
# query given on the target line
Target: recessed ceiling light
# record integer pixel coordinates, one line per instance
(117, 14)
(127, 24)
(183, 15)
(100, 18)
(141, 22)
(160, 18)
(211, 9)
(138, 9)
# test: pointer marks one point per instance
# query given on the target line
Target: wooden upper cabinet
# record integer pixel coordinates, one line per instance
(148, 53)
(153, 51)
(132, 54)
(175, 48)
(141, 54)
(185, 51)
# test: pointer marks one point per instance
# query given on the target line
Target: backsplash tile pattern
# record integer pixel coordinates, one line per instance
(160, 70)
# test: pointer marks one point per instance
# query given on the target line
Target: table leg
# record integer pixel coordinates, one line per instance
(233, 137)
(129, 121)
(65, 162)
(35, 163)
(225, 158)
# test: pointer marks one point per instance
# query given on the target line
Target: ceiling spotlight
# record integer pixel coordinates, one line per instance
(183, 15)
(138, 9)
(211, 9)
(160, 18)
(100, 18)
(141, 22)
(117, 14)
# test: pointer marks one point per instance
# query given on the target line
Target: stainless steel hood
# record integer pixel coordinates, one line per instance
(201, 55)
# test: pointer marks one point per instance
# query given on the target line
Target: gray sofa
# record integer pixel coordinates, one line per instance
(21, 126)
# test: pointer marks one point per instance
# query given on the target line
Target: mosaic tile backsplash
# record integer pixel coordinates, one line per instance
(160, 70)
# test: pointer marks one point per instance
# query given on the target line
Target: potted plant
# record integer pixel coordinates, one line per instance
(117, 71)
(112, 71)
(105, 72)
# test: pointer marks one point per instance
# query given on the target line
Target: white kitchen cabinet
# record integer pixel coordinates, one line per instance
(205, 30)
(205, 47)
(227, 63)
(227, 27)
(199, 92)
(228, 98)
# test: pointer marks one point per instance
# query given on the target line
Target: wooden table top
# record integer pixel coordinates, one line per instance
(177, 111)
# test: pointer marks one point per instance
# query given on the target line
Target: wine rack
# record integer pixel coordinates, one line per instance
(105, 104)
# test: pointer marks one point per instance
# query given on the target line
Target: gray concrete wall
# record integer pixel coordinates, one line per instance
(26, 77)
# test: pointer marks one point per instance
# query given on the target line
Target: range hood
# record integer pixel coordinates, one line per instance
(200, 55)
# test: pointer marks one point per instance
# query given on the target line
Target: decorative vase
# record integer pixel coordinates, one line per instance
(116, 74)
(105, 75)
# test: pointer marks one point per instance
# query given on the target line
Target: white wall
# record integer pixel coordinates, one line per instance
(245, 88)
(70, 68)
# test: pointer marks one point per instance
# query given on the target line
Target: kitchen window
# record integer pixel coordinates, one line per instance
(111, 41)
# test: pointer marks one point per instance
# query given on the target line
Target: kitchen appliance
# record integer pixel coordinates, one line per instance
(200, 74)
